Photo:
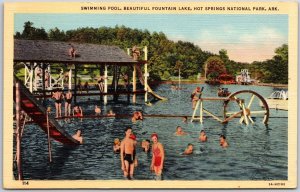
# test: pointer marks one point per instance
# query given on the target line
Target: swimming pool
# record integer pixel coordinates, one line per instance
(255, 152)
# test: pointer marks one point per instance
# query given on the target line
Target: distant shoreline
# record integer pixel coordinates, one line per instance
(275, 85)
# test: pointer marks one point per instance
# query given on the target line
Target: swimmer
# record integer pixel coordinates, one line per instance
(137, 115)
(58, 96)
(158, 156)
(72, 52)
(184, 119)
(179, 131)
(97, 110)
(133, 137)
(146, 145)
(223, 141)
(202, 136)
(77, 111)
(117, 145)
(101, 84)
(111, 113)
(196, 95)
(127, 154)
(68, 102)
(189, 149)
(78, 136)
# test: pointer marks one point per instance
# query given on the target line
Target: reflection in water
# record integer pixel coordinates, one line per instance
(255, 151)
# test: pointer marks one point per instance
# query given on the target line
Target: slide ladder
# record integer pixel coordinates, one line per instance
(37, 112)
(141, 78)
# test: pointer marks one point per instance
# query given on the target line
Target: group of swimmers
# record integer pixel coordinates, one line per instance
(127, 149)
(77, 111)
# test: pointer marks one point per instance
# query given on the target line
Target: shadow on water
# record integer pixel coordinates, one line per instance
(60, 158)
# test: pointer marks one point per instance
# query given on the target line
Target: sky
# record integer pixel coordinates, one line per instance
(246, 38)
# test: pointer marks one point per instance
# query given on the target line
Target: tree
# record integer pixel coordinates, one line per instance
(283, 52)
(214, 65)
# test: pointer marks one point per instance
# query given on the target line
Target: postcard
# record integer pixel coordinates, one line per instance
(156, 95)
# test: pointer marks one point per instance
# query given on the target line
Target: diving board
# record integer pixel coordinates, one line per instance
(38, 114)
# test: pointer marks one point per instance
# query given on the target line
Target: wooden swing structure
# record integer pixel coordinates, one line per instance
(240, 102)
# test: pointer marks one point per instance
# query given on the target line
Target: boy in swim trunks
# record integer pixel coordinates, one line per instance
(127, 154)
(158, 156)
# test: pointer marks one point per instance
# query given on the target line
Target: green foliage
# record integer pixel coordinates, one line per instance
(214, 67)
(166, 57)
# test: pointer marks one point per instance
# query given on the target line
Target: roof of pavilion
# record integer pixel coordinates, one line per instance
(58, 52)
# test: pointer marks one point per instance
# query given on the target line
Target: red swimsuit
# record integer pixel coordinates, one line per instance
(157, 157)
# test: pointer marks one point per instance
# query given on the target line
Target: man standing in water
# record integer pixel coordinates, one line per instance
(158, 156)
(127, 154)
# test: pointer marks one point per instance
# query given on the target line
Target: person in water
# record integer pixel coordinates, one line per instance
(117, 145)
(137, 115)
(68, 102)
(58, 97)
(184, 119)
(77, 111)
(146, 145)
(223, 141)
(158, 156)
(78, 136)
(179, 131)
(127, 154)
(189, 149)
(196, 95)
(97, 110)
(133, 137)
(202, 136)
(111, 113)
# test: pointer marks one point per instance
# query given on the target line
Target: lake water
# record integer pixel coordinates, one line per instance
(255, 152)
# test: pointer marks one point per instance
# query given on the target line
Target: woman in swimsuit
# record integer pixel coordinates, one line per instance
(158, 155)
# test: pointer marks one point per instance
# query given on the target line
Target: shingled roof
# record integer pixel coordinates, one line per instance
(58, 52)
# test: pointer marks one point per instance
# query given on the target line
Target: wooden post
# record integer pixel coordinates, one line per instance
(50, 77)
(25, 70)
(49, 139)
(201, 111)
(70, 79)
(18, 106)
(43, 82)
(75, 84)
(134, 83)
(105, 84)
(146, 74)
(31, 78)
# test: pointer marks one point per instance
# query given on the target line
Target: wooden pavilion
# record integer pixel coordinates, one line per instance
(38, 56)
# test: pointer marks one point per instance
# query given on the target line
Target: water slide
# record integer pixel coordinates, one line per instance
(141, 78)
(37, 113)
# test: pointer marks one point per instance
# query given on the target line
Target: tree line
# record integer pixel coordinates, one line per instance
(166, 57)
